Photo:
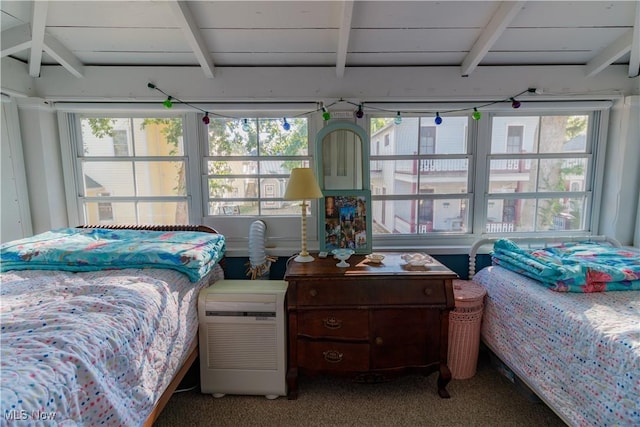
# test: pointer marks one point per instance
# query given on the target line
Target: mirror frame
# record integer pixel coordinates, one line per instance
(364, 154)
(350, 194)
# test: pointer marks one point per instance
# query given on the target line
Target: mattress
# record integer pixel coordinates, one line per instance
(93, 348)
(579, 352)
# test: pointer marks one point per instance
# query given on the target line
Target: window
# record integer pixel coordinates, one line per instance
(248, 164)
(426, 174)
(514, 172)
(535, 180)
(531, 170)
(131, 170)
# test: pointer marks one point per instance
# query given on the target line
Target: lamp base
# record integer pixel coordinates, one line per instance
(303, 258)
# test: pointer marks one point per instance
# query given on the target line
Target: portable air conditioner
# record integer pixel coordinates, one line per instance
(242, 338)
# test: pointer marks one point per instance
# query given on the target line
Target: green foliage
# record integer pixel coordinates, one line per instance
(101, 127)
(576, 125)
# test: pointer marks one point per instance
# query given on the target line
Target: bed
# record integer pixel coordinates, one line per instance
(577, 350)
(99, 324)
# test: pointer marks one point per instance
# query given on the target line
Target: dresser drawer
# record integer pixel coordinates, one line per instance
(347, 324)
(371, 292)
(333, 356)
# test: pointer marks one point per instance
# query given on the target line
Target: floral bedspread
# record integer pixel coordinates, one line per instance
(573, 267)
(580, 352)
(92, 348)
(77, 249)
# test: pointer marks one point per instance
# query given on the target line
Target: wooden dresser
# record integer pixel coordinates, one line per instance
(368, 321)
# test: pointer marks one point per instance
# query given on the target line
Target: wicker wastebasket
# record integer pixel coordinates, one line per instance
(464, 328)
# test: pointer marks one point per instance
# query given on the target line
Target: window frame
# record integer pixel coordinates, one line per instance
(479, 156)
(282, 234)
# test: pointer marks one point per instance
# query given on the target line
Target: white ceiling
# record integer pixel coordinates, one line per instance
(339, 34)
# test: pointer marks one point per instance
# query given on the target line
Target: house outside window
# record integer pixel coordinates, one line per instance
(514, 173)
(132, 170)
(248, 164)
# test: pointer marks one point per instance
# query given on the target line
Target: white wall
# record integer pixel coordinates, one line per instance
(622, 172)
(42, 162)
(15, 210)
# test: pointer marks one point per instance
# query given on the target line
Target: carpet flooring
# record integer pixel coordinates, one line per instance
(487, 399)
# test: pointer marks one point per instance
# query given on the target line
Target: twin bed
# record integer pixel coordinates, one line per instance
(100, 325)
(566, 321)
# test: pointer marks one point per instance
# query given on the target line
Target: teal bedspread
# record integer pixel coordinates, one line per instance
(76, 249)
(573, 267)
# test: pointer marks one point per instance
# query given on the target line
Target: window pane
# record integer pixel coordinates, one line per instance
(108, 178)
(543, 134)
(282, 207)
(117, 137)
(121, 212)
(510, 215)
(252, 137)
(443, 176)
(415, 216)
(233, 208)
(226, 167)
(560, 214)
(514, 134)
(232, 137)
(276, 141)
(562, 174)
(158, 137)
(160, 179)
(563, 134)
(513, 175)
(233, 187)
(163, 213)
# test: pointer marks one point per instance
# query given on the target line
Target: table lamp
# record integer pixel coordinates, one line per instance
(303, 186)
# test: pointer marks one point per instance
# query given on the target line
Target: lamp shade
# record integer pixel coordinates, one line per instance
(302, 185)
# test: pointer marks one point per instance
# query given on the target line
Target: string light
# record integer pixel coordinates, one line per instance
(326, 115)
(358, 113)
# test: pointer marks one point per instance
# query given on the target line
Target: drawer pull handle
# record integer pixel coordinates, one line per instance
(313, 292)
(332, 356)
(379, 341)
(332, 323)
(428, 291)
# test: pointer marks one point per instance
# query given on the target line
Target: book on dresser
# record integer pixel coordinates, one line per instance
(368, 321)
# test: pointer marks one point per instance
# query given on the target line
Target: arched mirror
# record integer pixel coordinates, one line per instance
(342, 164)
(342, 157)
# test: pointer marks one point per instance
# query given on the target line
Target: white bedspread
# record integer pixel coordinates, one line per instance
(95, 348)
(579, 352)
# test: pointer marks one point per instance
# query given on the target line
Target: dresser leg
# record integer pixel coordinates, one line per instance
(292, 384)
(443, 379)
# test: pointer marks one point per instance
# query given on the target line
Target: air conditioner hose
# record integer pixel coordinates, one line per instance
(259, 262)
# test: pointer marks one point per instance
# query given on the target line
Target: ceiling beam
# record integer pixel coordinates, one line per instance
(63, 56)
(500, 20)
(38, 23)
(634, 61)
(610, 54)
(343, 37)
(193, 35)
(16, 40)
